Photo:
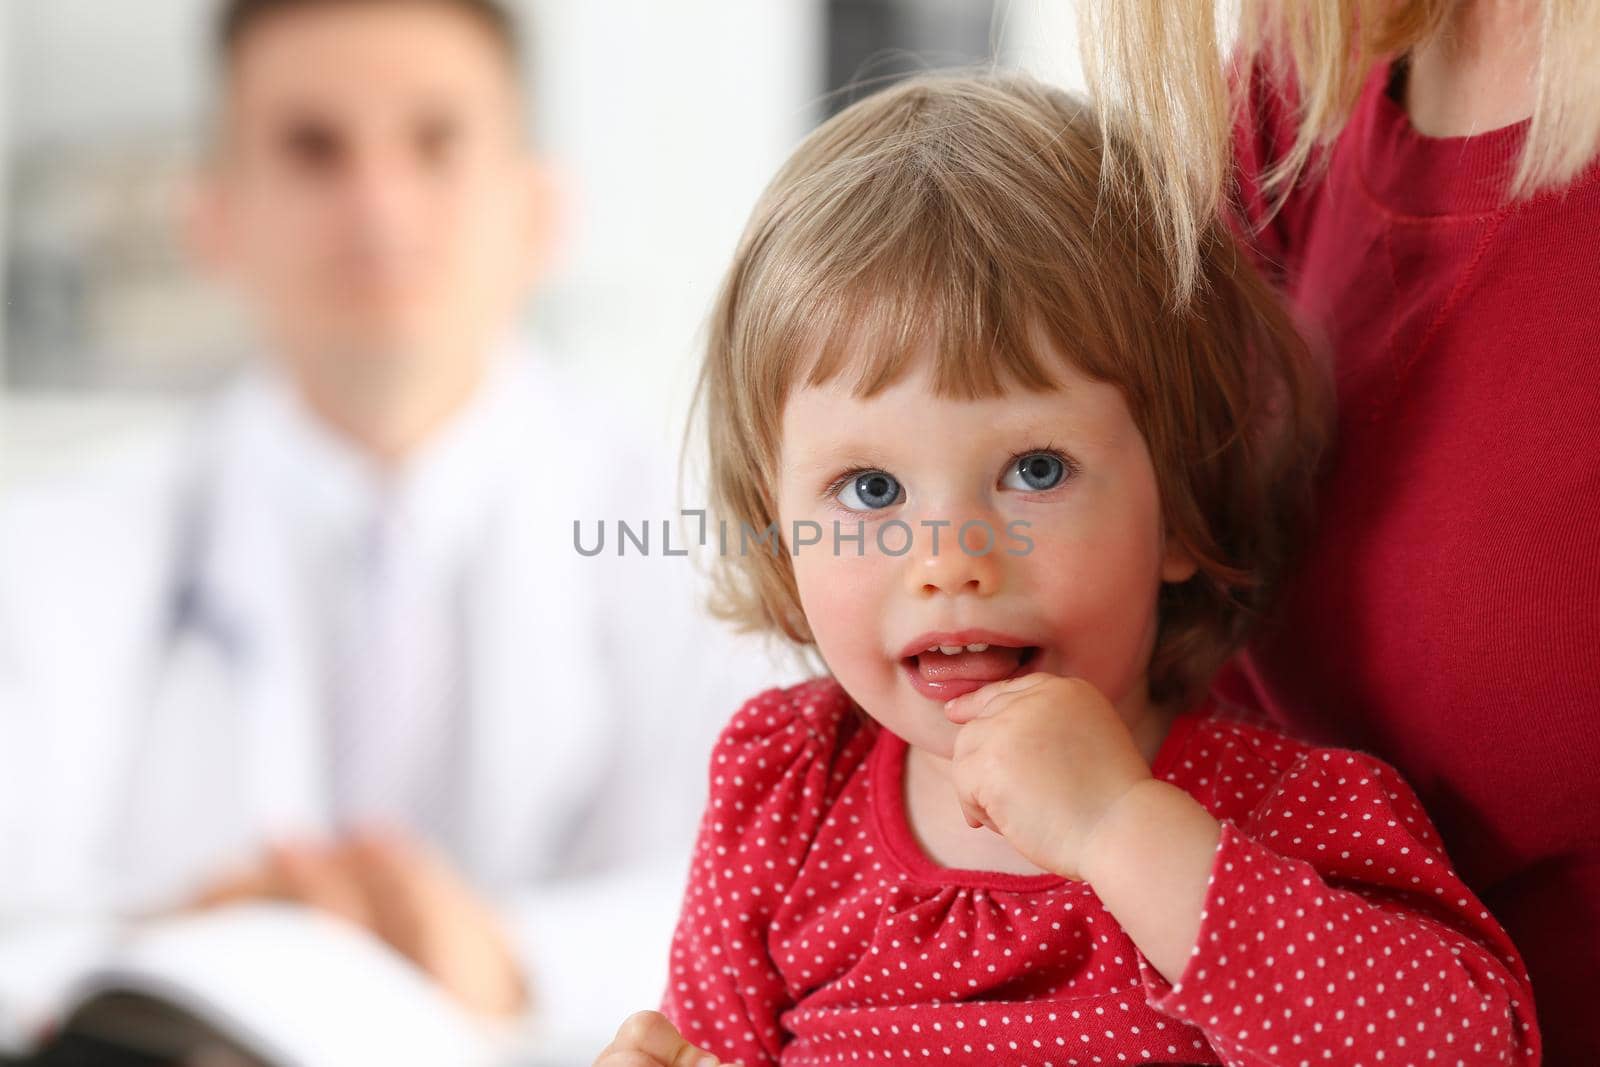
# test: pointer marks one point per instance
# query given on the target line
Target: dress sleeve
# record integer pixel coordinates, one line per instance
(1335, 930)
(771, 774)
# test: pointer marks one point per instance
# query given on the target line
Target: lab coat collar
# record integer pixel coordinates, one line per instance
(326, 487)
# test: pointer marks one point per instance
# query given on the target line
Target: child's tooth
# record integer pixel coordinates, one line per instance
(950, 650)
(933, 648)
(976, 648)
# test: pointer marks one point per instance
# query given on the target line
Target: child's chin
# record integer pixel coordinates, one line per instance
(909, 717)
(936, 739)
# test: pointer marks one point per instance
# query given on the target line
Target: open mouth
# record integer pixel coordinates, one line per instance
(943, 672)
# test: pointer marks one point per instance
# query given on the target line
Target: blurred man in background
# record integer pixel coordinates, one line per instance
(339, 649)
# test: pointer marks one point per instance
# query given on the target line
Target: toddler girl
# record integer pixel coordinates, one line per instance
(1023, 501)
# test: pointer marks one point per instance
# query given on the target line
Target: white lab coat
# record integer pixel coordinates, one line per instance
(150, 735)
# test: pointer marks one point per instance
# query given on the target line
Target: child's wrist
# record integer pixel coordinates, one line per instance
(1124, 834)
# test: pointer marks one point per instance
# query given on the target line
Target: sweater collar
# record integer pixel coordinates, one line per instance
(1413, 174)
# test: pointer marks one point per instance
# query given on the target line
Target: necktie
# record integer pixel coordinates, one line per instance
(390, 736)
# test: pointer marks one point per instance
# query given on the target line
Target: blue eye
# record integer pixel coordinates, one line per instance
(870, 491)
(1035, 472)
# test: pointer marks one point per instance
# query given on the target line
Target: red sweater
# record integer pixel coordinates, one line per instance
(815, 931)
(1447, 614)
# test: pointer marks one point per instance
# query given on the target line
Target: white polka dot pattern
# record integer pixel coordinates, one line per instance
(1334, 929)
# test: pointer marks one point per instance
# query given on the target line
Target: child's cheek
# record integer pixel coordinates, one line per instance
(844, 605)
(1098, 584)
(1100, 545)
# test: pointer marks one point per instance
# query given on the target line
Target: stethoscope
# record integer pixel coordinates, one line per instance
(192, 611)
(189, 608)
(186, 612)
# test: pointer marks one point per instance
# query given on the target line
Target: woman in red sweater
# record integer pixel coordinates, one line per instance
(1422, 176)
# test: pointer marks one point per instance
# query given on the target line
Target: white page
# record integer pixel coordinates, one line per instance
(296, 987)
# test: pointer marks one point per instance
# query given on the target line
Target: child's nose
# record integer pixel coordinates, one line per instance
(952, 560)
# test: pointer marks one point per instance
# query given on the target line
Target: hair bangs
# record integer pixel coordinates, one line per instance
(927, 293)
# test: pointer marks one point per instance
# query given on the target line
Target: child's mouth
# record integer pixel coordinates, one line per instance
(945, 672)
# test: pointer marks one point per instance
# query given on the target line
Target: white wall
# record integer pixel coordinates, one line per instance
(86, 68)
(5, 171)
(672, 117)
(1041, 37)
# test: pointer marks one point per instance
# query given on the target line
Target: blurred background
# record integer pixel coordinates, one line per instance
(662, 122)
(664, 119)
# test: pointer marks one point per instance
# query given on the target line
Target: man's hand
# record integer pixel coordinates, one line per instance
(1040, 760)
(648, 1039)
(404, 893)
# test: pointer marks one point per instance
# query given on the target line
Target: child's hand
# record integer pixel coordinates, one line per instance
(1040, 759)
(648, 1039)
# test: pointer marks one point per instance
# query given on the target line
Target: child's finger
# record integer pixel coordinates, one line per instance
(625, 1058)
(976, 817)
(633, 1058)
(653, 1034)
(976, 704)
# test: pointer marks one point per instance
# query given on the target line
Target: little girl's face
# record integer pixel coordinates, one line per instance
(1062, 485)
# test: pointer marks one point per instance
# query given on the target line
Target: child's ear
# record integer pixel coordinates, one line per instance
(1177, 562)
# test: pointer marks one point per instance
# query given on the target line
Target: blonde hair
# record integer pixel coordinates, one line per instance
(966, 214)
(1162, 61)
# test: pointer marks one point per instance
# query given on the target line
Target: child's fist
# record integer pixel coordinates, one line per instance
(648, 1039)
(1040, 759)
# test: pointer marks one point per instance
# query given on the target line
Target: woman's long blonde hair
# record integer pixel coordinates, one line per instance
(1163, 63)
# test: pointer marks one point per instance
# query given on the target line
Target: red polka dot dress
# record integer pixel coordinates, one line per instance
(815, 931)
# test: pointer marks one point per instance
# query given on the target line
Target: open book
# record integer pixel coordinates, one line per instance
(268, 983)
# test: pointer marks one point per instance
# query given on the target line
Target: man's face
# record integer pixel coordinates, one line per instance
(373, 198)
